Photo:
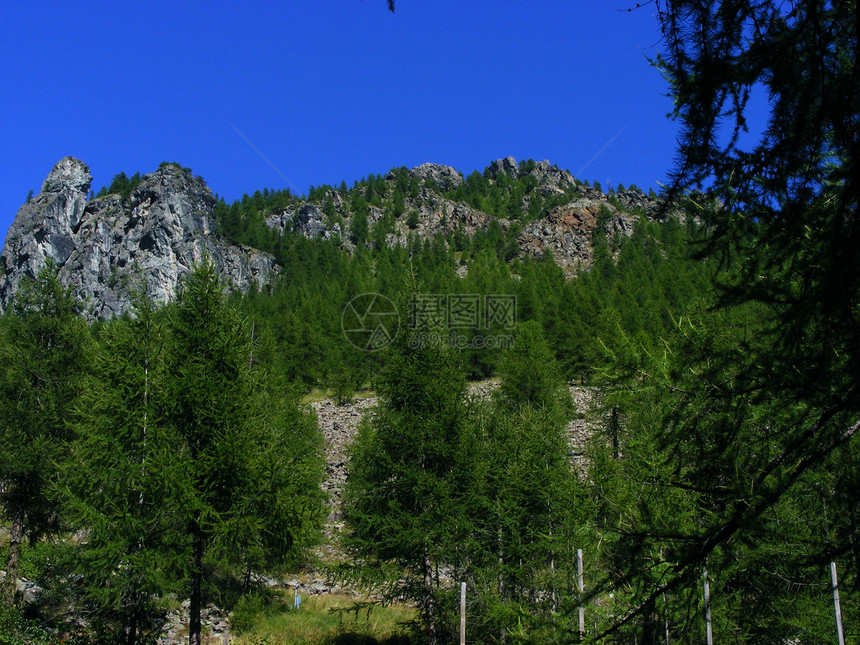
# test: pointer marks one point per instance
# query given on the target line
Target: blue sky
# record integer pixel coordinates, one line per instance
(296, 93)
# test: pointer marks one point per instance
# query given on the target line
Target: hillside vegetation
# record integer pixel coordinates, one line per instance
(166, 455)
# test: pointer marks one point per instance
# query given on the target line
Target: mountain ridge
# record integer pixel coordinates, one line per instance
(105, 246)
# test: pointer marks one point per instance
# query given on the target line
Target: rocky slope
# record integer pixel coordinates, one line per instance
(339, 425)
(566, 231)
(106, 245)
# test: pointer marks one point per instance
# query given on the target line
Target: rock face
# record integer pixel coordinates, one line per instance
(106, 246)
(445, 176)
(310, 222)
(568, 230)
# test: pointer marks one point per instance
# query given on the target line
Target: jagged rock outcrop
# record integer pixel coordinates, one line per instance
(165, 225)
(506, 166)
(567, 231)
(280, 221)
(310, 222)
(551, 179)
(438, 215)
(46, 225)
(109, 244)
(445, 176)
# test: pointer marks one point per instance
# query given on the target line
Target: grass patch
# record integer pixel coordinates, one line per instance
(333, 619)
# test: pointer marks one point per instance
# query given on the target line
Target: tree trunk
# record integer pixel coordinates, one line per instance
(16, 537)
(429, 605)
(196, 582)
(131, 634)
(613, 421)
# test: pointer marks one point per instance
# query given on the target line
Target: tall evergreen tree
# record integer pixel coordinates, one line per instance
(124, 484)
(787, 226)
(44, 356)
(524, 505)
(252, 498)
(405, 493)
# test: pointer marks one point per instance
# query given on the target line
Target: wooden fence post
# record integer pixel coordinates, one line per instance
(580, 587)
(836, 606)
(462, 613)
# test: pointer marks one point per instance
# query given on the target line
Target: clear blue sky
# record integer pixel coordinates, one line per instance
(328, 91)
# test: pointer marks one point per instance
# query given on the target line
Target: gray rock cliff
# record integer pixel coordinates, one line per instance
(107, 245)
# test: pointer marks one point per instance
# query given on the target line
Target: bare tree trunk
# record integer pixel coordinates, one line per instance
(554, 599)
(501, 574)
(196, 582)
(613, 422)
(15, 539)
(131, 633)
(429, 605)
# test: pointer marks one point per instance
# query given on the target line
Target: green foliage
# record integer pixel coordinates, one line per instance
(254, 467)
(121, 185)
(407, 469)
(44, 355)
(122, 483)
(15, 629)
(358, 229)
(738, 439)
(705, 471)
(321, 620)
(185, 463)
(514, 198)
(486, 491)
(244, 221)
(412, 219)
(252, 608)
(530, 376)
(524, 499)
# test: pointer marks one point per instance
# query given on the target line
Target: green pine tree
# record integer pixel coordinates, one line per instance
(525, 505)
(44, 357)
(405, 493)
(123, 484)
(253, 498)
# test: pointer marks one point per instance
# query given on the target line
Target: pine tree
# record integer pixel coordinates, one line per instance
(251, 499)
(405, 492)
(123, 483)
(785, 377)
(524, 507)
(44, 357)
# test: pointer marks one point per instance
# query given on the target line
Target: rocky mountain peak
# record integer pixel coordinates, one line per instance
(506, 166)
(445, 176)
(103, 247)
(69, 174)
(45, 226)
